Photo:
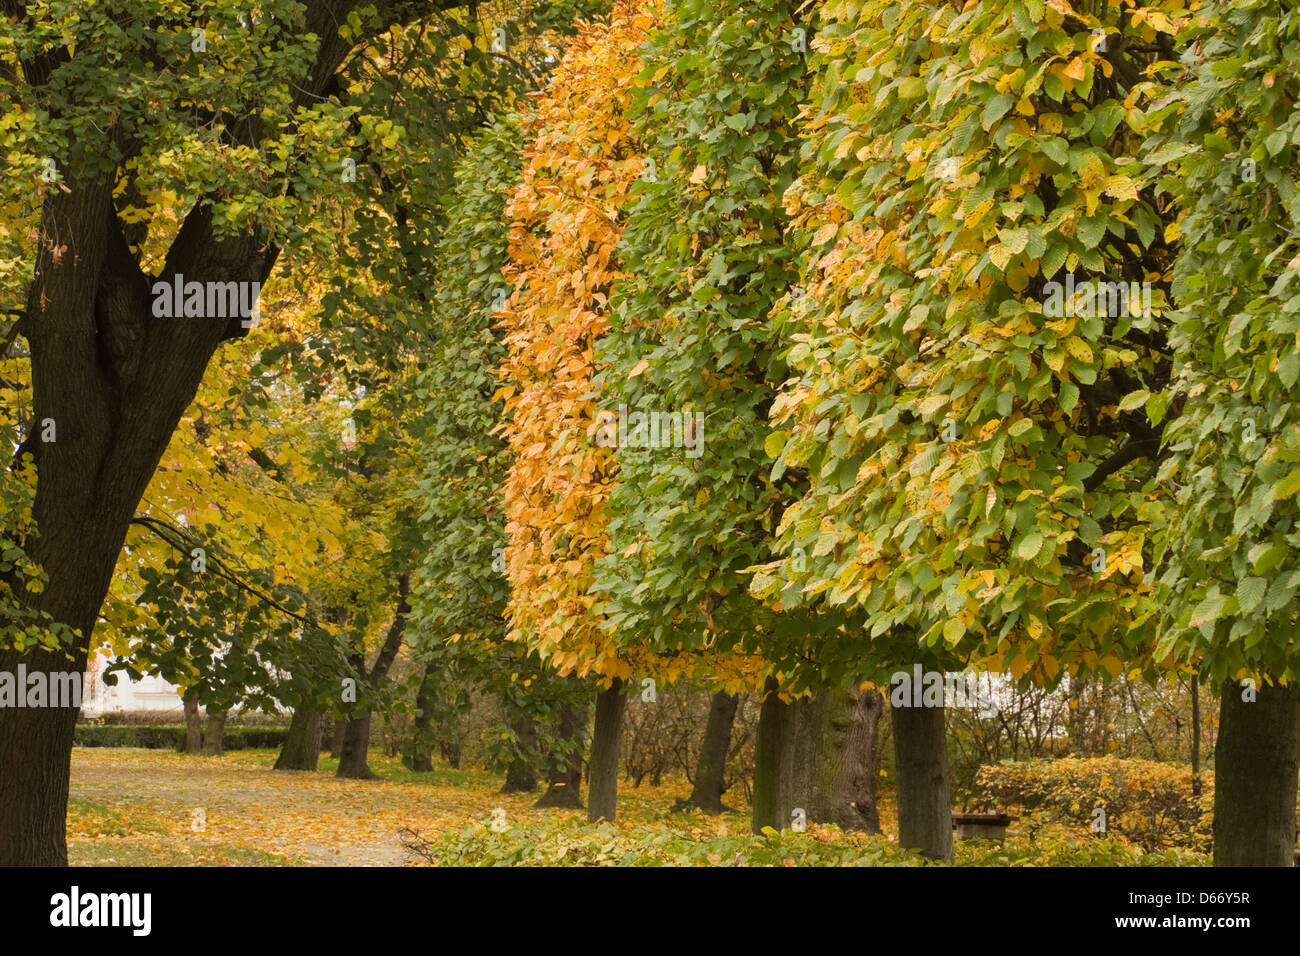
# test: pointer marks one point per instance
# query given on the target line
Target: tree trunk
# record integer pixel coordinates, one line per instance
(565, 788)
(301, 750)
(214, 741)
(521, 775)
(802, 757)
(450, 750)
(924, 783)
(1196, 736)
(339, 729)
(835, 768)
(710, 770)
(353, 764)
(1256, 760)
(1075, 729)
(193, 724)
(602, 772)
(775, 723)
(421, 731)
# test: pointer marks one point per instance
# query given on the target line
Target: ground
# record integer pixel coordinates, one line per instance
(141, 808)
(133, 807)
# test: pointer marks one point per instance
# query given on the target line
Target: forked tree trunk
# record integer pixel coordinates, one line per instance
(775, 723)
(301, 750)
(214, 740)
(565, 788)
(193, 723)
(353, 754)
(521, 775)
(924, 782)
(422, 726)
(711, 769)
(1256, 759)
(602, 772)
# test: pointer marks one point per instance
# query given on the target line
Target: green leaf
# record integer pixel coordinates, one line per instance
(1208, 611)
(1288, 486)
(996, 108)
(1068, 397)
(1250, 591)
(1054, 258)
(1134, 400)
(1029, 546)
(1091, 230)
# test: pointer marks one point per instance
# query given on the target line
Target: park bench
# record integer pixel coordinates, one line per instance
(981, 826)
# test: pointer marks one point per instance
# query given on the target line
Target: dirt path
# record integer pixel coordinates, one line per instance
(191, 804)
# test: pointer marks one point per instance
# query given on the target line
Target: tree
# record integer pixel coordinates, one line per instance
(980, 459)
(690, 363)
(578, 168)
(1226, 154)
(240, 124)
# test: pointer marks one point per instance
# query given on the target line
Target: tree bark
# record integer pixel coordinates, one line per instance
(775, 723)
(193, 724)
(1196, 736)
(1074, 719)
(422, 727)
(301, 750)
(602, 771)
(1256, 760)
(924, 781)
(337, 731)
(353, 764)
(356, 744)
(711, 768)
(835, 765)
(521, 775)
(214, 740)
(565, 787)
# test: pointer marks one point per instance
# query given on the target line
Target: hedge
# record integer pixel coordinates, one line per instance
(1151, 803)
(172, 736)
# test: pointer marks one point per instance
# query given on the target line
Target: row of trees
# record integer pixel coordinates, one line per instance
(738, 353)
(845, 264)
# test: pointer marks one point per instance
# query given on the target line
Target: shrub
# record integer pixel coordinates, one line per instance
(172, 736)
(1150, 803)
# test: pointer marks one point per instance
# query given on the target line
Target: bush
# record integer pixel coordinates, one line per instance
(176, 717)
(559, 841)
(172, 736)
(1150, 803)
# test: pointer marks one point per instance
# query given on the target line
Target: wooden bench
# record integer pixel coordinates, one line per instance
(982, 826)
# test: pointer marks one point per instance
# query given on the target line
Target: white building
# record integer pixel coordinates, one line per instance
(148, 693)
